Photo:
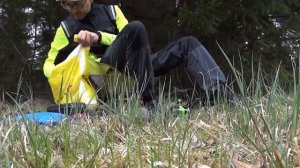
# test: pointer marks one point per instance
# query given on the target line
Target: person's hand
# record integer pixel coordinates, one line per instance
(87, 38)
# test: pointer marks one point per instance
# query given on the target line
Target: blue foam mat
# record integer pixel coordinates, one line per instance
(42, 118)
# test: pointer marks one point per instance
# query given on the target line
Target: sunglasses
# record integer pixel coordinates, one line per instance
(69, 6)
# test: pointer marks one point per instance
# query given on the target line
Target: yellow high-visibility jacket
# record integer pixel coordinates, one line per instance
(108, 20)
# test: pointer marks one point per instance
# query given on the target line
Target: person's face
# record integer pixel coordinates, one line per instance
(79, 9)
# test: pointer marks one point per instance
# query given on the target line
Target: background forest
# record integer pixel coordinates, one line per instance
(251, 32)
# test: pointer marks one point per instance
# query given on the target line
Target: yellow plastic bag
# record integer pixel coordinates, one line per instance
(69, 80)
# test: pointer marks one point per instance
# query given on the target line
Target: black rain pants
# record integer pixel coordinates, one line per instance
(131, 52)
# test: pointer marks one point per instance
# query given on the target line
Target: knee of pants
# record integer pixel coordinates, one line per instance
(191, 41)
(136, 26)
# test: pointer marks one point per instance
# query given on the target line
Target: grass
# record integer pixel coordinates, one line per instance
(261, 131)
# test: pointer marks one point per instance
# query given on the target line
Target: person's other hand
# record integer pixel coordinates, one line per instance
(87, 38)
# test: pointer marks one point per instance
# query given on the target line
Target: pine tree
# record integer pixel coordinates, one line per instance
(263, 29)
